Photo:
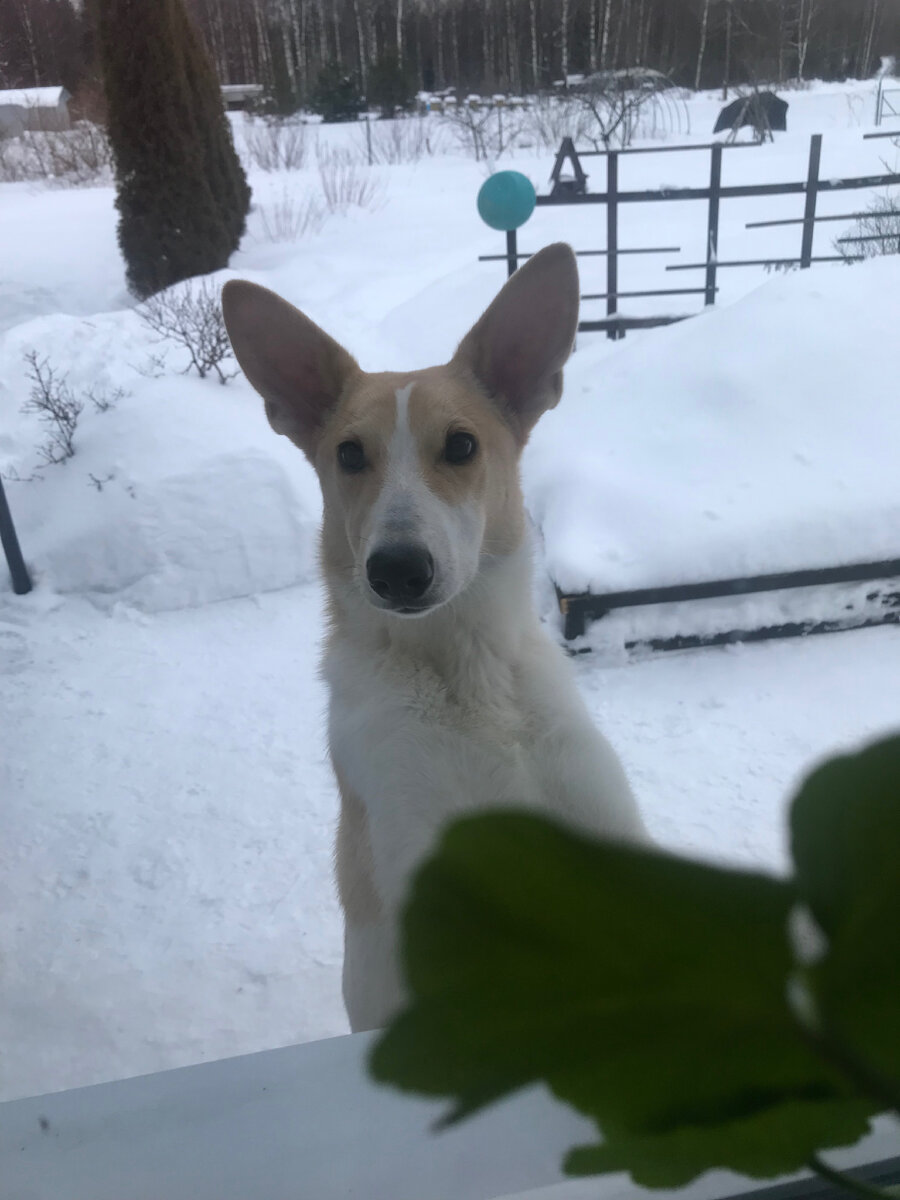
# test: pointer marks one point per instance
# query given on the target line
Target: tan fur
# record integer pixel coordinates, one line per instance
(442, 400)
(458, 702)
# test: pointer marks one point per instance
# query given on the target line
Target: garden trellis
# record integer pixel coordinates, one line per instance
(572, 189)
(881, 605)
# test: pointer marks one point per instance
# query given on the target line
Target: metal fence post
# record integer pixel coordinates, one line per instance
(612, 240)
(812, 191)
(712, 229)
(512, 252)
(21, 580)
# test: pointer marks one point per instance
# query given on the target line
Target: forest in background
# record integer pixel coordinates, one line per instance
(482, 46)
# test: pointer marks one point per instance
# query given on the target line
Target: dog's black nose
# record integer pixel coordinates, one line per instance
(401, 574)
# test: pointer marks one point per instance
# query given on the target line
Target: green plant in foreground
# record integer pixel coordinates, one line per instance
(702, 1017)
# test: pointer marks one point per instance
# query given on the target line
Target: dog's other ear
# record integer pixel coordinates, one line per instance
(295, 366)
(518, 348)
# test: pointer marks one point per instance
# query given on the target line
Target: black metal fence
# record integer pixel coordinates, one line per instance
(21, 580)
(572, 189)
(881, 605)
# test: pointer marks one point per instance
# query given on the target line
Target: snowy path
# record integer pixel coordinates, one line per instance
(166, 889)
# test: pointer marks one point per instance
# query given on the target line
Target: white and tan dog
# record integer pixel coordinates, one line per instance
(445, 693)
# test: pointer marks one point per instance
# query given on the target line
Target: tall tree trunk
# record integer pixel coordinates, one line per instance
(336, 22)
(400, 30)
(868, 44)
(31, 42)
(592, 36)
(726, 78)
(564, 41)
(535, 67)
(288, 51)
(624, 9)
(263, 50)
(361, 46)
(782, 34)
(604, 33)
(372, 26)
(440, 79)
(454, 47)
(323, 34)
(298, 35)
(486, 46)
(704, 26)
(645, 36)
(249, 69)
(512, 57)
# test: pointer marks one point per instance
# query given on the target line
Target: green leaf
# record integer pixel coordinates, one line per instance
(845, 827)
(789, 1131)
(647, 991)
(845, 831)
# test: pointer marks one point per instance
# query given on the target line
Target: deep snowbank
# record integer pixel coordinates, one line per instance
(758, 437)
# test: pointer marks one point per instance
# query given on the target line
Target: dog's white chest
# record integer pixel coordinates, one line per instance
(417, 755)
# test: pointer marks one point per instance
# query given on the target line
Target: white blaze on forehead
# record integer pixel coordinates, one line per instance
(402, 450)
(407, 510)
(402, 495)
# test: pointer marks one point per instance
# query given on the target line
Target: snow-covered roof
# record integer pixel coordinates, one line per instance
(236, 90)
(39, 97)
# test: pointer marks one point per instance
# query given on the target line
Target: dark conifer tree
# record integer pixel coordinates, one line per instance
(182, 193)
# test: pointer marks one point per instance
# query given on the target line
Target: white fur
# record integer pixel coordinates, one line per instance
(470, 708)
(407, 510)
(467, 705)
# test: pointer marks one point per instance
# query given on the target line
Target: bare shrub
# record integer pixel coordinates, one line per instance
(190, 315)
(346, 183)
(549, 119)
(390, 143)
(104, 399)
(623, 104)
(76, 156)
(289, 217)
(879, 227)
(276, 143)
(56, 406)
(482, 128)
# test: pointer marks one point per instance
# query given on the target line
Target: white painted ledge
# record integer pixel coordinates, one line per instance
(302, 1123)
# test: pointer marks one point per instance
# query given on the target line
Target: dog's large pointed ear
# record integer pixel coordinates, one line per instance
(295, 366)
(518, 348)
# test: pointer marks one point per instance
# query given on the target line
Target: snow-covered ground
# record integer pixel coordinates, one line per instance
(167, 808)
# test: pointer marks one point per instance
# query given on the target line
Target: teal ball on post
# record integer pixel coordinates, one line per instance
(506, 200)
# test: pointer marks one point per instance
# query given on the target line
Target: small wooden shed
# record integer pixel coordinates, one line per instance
(33, 108)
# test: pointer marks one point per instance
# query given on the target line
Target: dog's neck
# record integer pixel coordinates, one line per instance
(479, 632)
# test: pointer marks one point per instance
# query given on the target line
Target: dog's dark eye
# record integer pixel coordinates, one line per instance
(351, 457)
(459, 447)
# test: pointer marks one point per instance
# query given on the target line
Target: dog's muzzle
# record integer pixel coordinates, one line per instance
(400, 576)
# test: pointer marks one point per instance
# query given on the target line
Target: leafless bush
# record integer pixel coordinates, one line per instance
(97, 481)
(624, 104)
(389, 143)
(484, 129)
(80, 155)
(345, 183)
(56, 407)
(276, 143)
(549, 119)
(104, 399)
(879, 227)
(615, 116)
(289, 217)
(190, 315)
